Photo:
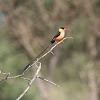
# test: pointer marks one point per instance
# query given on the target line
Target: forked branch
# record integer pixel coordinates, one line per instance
(36, 63)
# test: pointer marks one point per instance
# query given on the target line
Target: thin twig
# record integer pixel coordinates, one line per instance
(7, 74)
(26, 79)
(47, 81)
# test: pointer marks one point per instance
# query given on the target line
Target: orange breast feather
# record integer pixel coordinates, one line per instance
(61, 36)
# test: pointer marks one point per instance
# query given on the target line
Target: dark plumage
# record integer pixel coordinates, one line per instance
(53, 40)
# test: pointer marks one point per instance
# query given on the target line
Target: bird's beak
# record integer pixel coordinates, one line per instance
(64, 29)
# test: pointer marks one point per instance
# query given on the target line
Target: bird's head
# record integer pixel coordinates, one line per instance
(61, 29)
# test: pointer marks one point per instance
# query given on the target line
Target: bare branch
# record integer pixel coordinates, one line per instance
(52, 53)
(7, 74)
(48, 81)
(34, 62)
(39, 68)
(26, 79)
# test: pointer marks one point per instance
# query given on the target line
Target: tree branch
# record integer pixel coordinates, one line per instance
(33, 79)
(47, 81)
(37, 72)
(50, 51)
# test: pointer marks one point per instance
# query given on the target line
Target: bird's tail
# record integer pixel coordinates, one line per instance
(26, 69)
(52, 41)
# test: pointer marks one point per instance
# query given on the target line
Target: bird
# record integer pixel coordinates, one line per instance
(58, 37)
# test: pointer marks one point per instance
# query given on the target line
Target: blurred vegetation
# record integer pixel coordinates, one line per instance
(27, 26)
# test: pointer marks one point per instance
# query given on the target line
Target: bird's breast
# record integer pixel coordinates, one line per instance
(61, 36)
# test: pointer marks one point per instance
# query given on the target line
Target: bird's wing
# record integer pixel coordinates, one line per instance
(56, 35)
(53, 39)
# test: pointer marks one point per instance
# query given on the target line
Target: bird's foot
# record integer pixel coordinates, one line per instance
(61, 40)
(56, 42)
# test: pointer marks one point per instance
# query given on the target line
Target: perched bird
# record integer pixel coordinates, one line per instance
(58, 37)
